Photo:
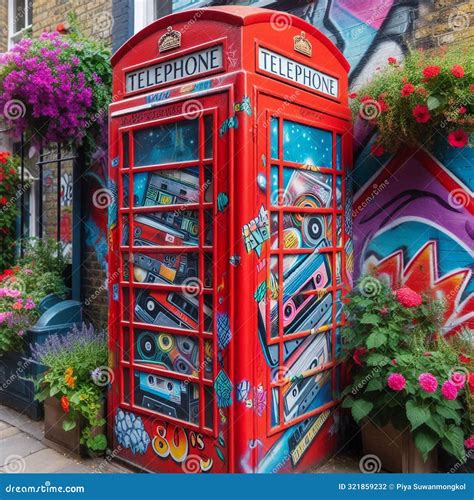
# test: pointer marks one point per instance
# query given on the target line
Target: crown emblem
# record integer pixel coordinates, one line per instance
(170, 40)
(303, 45)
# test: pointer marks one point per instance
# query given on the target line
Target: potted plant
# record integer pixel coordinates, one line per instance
(73, 388)
(23, 292)
(408, 388)
(428, 96)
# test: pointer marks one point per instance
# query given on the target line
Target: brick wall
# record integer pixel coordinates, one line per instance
(94, 18)
(3, 25)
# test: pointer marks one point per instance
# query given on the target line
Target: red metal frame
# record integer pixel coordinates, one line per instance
(238, 149)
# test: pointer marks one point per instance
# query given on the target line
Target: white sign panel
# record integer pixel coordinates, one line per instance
(294, 71)
(174, 70)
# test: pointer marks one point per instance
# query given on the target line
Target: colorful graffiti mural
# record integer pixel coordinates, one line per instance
(418, 231)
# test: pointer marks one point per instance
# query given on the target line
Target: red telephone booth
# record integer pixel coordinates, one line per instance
(230, 243)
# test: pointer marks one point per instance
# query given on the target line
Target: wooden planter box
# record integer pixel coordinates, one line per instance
(396, 450)
(54, 417)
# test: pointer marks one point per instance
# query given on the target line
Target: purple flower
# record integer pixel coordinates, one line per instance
(30, 304)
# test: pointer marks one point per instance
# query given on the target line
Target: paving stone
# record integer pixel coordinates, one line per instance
(45, 460)
(8, 431)
(19, 444)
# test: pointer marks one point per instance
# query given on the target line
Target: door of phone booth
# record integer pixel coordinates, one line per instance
(229, 245)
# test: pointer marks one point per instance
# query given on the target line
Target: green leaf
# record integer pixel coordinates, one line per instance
(425, 441)
(97, 443)
(68, 425)
(417, 414)
(374, 385)
(361, 409)
(370, 319)
(449, 413)
(455, 437)
(347, 403)
(433, 102)
(377, 359)
(375, 339)
(54, 389)
(435, 425)
(75, 398)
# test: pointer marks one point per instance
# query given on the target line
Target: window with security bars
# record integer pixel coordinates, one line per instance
(166, 192)
(303, 310)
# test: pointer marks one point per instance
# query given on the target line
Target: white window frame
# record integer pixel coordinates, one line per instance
(16, 36)
(143, 14)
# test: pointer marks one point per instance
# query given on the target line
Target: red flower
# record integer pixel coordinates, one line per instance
(383, 106)
(65, 404)
(359, 351)
(421, 113)
(431, 71)
(408, 297)
(377, 149)
(394, 362)
(392, 60)
(407, 89)
(4, 155)
(464, 359)
(472, 88)
(3, 200)
(352, 95)
(470, 382)
(458, 138)
(462, 110)
(365, 98)
(457, 71)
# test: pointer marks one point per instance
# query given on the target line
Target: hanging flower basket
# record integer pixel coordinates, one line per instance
(419, 102)
(55, 89)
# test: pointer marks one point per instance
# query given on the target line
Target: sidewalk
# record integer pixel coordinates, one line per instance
(23, 448)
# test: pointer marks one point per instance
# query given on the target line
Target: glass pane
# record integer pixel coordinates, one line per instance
(126, 385)
(208, 406)
(167, 396)
(275, 194)
(274, 132)
(167, 268)
(303, 230)
(208, 137)
(338, 152)
(306, 394)
(339, 231)
(307, 145)
(126, 344)
(19, 18)
(167, 187)
(126, 190)
(339, 192)
(125, 230)
(304, 188)
(178, 227)
(176, 353)
(169, 143)
(170, 309)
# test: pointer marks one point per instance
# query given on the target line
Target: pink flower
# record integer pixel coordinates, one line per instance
(384, 311)
(449, 390)
(396, 382)
(392, 60)
(428, 382)
(458, 379)
(408, 297)
(458, 138)
(469, 443)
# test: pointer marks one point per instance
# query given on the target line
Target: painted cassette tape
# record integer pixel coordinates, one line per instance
(165, 268)
(176, 353)
(308, 189)
(172, 309)
(167, 396)
(303, 308)
(166, 228)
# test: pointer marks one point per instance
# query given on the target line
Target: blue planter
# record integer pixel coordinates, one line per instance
(18, 370)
